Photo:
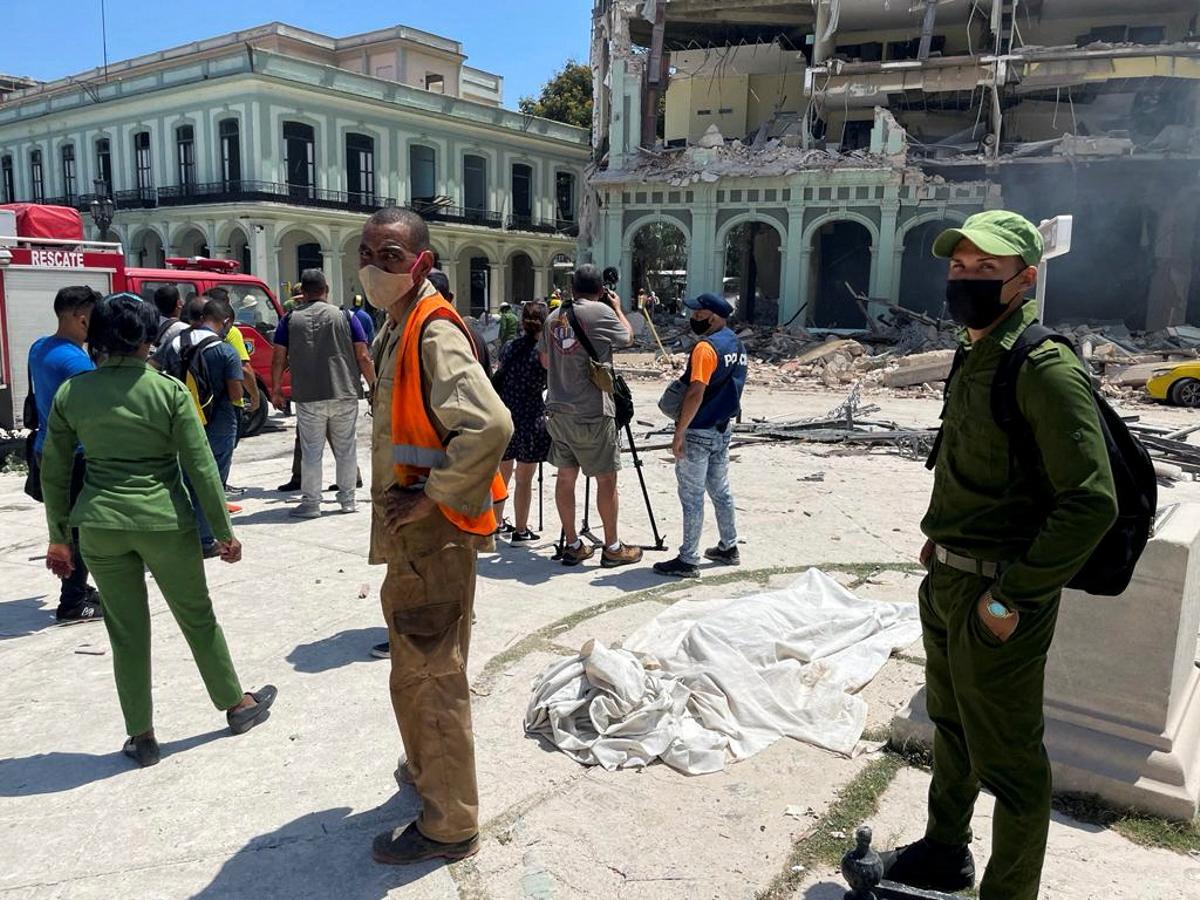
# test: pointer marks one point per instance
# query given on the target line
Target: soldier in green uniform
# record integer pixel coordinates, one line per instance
(1006, 531)
(139, 428)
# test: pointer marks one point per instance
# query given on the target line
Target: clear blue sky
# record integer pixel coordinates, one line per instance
(523, 40)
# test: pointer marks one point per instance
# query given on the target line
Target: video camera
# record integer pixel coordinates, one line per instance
(611, 276)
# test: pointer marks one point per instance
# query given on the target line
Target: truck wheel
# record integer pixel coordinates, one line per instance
(252, 423)
(1185, 392)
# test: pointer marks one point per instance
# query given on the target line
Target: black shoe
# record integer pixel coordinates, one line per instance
(505, 527)
(144, 750)
(211, 551)
(677, 568)
(410, 846)
(382, 651)
(292, 485)
(526, 535)
(87, 611)
(334, 487)
(729, 557)
(930, 865)
(244, 719)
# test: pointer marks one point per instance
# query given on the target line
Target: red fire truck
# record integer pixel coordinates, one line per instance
(42, 249)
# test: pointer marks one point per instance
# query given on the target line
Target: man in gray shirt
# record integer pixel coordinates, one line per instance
(327, 352)
(581, 418)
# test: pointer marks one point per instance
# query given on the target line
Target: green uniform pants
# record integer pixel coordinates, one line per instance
(118, 560)
(985, 700)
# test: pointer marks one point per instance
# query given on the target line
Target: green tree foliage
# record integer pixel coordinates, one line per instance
(566, 97)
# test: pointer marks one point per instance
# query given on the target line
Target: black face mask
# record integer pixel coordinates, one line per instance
(977, 302)
(700, 326)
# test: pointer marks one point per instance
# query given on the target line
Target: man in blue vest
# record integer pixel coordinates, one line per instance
(715, 376)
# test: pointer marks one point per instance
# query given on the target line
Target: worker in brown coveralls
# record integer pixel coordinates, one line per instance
(438, 433)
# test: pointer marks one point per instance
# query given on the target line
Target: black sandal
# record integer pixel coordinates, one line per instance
(244, 719)
(144, 750)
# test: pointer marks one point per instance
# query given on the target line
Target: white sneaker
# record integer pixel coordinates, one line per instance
(351, 507)
(306, 511)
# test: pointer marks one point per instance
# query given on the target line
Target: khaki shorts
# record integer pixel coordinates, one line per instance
(588, 444)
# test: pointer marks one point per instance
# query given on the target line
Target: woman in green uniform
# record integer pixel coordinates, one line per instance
(137, 428)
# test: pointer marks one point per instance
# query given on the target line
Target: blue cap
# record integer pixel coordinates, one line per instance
(712, 303)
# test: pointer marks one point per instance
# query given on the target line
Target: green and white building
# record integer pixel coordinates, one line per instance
(271, 145)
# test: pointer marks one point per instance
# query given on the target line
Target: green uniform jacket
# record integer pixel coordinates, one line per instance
(509, 326)
(986, 504)
(137, 427)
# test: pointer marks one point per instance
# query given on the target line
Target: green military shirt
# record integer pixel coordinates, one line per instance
(137, 427)
(986, 504)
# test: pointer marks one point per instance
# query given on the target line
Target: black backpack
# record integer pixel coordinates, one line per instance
(1109, 569)
(192, 369)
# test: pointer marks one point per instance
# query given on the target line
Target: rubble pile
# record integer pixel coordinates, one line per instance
(714, 158)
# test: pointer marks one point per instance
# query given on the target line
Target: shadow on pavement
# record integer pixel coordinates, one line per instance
(25, 616)
(322, 854)
(335, 651)
(825, 890)
(51, 773)
(526, 568)
(276, 515)
(636, 578)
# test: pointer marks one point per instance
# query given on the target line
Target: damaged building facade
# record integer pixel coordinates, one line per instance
(802, 155)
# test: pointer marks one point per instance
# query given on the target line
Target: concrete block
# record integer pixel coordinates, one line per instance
(1122, 688)
(921, 368)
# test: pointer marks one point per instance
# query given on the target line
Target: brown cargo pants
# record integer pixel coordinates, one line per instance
(428, 597)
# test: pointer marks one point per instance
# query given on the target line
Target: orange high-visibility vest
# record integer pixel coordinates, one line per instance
(416, 445)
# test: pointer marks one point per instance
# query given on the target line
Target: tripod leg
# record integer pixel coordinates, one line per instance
(659, 542)
(541, 500)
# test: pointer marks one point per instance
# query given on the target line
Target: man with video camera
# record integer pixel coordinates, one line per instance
(576, 345)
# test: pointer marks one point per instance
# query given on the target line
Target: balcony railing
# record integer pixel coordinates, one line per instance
(245, 191)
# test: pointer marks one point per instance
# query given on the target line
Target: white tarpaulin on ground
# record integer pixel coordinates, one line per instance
(711, 678)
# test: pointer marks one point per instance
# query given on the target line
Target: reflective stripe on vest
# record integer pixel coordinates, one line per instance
(417, 457)
(417, 446)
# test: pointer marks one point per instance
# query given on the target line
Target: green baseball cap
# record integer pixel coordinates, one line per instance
(996, 231)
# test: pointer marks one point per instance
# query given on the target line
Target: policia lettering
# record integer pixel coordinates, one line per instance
(1005, 535)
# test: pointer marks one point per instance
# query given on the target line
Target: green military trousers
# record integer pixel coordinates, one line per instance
(118, 560)
(985, 699)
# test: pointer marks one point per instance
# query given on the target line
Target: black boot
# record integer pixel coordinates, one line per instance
(930, 865)
(401, 848)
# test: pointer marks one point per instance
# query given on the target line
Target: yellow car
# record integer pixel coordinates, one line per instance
(1177, 384)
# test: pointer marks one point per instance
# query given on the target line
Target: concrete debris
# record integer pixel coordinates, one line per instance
(714, 159)
(920, 368)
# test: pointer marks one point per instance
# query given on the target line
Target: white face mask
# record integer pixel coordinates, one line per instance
(385, 289)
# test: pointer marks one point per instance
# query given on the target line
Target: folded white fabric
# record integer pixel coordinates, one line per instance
(707, 679)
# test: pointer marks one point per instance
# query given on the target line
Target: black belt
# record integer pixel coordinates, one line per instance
(982, 567)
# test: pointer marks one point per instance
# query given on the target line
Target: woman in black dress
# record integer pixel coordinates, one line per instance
(521, 382)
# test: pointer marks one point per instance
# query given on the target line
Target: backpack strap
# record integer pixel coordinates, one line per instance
(1005, 409)
(960, 356)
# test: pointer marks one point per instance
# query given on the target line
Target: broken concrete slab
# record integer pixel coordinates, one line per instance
(920, 368)
(828, 349)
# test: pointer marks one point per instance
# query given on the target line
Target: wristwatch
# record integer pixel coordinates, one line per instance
(995, 608)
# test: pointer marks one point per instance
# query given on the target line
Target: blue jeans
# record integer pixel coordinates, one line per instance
(705, 468)
(222, 434)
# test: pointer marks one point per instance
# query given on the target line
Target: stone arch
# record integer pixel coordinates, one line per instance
(752, 264)
(842, 250)
(301, 247)
(237, 247)
(659, 275)
(841, 215)
(473, 274)
(520, 265)
(147, 248)
(919, 277)
(189, 240)
(936, 215)
(639, 223)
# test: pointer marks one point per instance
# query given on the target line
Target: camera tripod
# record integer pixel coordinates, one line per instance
(585, 529)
